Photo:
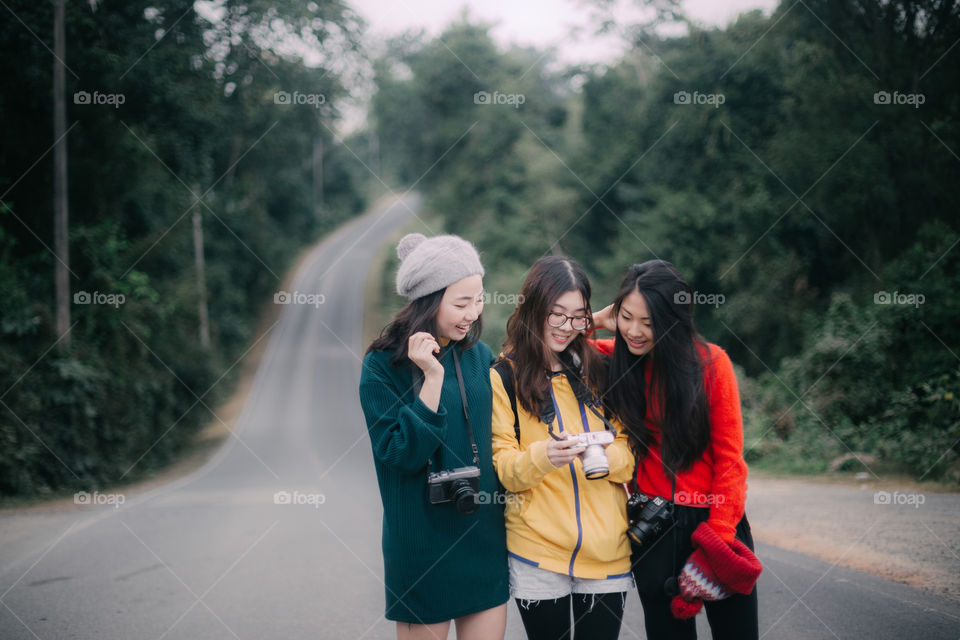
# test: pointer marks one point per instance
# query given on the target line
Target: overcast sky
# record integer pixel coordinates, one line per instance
(563, 24)
(542, 23)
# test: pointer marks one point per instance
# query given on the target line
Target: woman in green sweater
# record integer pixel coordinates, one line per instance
(425, 393)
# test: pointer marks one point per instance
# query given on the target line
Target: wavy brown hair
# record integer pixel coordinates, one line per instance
(548, 279)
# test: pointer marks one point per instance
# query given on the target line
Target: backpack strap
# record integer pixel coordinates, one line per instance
(505, 369)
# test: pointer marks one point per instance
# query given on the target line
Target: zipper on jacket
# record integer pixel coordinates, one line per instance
(576, 486)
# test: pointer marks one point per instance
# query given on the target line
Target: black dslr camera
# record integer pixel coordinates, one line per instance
(458, 486)
(649, 518)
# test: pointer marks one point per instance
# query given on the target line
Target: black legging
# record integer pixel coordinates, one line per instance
(734, 618)
(596, 616)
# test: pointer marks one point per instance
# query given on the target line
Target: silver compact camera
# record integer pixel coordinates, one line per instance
(595, 463)
(458, 486)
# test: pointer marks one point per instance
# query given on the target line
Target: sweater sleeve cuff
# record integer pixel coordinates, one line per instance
(430, 417)
(538, 455)
(725, 530)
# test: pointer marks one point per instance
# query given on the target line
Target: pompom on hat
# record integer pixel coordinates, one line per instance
(431, 264)
(715, 571)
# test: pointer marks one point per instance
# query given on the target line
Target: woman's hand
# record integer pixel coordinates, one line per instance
(421, 349)
(562, 452)
(605, 319)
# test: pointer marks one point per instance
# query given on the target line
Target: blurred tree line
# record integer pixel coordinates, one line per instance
(225, 108)
(800, 168)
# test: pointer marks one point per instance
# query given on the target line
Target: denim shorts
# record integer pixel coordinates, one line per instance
(528, 582)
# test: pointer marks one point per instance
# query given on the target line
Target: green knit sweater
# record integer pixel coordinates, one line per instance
(438, 563)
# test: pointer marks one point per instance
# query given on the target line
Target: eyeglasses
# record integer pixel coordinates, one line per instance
(577, 323)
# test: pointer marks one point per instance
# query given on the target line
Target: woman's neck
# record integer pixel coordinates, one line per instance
(555, 365)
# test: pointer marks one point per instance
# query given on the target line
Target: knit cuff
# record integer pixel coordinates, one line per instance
(431, 418)
(733, 563)
(724, 529)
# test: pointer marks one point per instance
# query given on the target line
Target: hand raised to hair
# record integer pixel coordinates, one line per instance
(605, 319)
(421, 349)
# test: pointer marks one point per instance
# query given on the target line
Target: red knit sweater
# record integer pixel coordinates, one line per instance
(718, 480)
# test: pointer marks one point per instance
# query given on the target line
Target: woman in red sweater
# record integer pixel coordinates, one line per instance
(677, 396)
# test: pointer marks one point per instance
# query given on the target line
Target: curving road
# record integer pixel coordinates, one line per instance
(278, 535)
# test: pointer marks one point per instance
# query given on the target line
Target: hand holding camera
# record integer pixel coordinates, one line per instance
(564, 451)
(594, 458)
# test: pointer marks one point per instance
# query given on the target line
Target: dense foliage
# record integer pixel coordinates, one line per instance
(172, 109)
(800, 169)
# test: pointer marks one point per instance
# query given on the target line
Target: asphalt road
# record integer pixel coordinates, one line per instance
(278, 534)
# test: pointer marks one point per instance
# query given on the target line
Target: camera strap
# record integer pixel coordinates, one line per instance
(584, 393)
(463, 399)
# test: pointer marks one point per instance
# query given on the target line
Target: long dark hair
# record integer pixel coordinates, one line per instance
(676, 369)
(548, 279)
(418, 315)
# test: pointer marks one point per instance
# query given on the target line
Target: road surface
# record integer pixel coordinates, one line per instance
(278, 534)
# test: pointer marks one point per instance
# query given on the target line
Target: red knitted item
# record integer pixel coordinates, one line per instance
(714, 571)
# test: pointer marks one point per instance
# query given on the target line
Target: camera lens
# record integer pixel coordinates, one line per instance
(464, 496)
(595, 465)
(643, 531)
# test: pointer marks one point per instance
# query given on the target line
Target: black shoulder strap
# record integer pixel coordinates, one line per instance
(505, 370)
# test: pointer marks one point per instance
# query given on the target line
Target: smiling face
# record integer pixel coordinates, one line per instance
(570, 303)
(634, 324)
(461, 305)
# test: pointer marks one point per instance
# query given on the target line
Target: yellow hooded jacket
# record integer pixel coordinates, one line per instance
(556, 518)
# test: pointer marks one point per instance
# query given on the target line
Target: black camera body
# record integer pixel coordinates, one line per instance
(648, 517)
(458, 486)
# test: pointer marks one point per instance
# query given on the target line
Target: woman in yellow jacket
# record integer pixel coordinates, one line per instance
(566, 505)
